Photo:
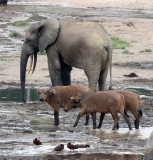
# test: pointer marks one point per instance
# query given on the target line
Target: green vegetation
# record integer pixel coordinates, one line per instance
(3, 59)
(36, 17)
(119, 44)
(43, 52)
(127, 52)
(15, 34)
(20, 23)
(146, 50)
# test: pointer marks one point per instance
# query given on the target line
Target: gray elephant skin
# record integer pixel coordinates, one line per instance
(84, 45)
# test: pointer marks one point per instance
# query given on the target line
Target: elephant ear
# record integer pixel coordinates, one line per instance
(47, 33)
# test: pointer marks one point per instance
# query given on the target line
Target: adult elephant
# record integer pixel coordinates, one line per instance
(3, 2)
(84, 45)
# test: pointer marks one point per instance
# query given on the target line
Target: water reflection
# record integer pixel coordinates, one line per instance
(14, 95)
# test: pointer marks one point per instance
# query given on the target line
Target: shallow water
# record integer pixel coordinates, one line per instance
(40, 126)
(14, 94)
(19, 128)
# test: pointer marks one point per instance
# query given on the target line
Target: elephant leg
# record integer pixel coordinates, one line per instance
(93, 79)
(102, 79)
(92, 67)
(54, 66)
(65, 74)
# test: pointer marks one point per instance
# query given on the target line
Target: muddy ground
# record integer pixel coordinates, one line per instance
(20, 123)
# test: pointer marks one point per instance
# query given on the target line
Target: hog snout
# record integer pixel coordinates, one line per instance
(41, 99)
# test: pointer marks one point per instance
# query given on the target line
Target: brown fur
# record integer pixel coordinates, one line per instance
(102, 102)
(132, 104)
(57, 96)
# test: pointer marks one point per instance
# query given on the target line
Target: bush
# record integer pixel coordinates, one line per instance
(20, 23)
(119, 44)
(42, 53)
(127, 52)
(3, 59)
(146, 50)
(15, 34)
(36, 17)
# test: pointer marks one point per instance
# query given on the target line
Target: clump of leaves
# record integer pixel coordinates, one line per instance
(36, 17)
(146, 50)
(43, 52)
(15, 34)
(119, 44)
(127, 52)
(20, 23)
(3, 59)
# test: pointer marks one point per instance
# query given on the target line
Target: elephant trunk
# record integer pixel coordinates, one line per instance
(23, 65)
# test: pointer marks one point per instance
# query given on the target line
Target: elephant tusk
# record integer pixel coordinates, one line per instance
(30, 66)
(34, 64)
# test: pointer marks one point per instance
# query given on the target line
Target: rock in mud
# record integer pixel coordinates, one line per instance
(149, 148)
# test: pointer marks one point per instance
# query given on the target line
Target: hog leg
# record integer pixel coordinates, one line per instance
(87, 119)
(137, 119)
(94, 120)
(83, 112)
(56, 118)
(116, 119)
(126, 118)
(101, 120)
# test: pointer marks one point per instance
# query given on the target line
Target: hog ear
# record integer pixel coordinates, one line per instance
(48, 92)
(52, 93)
(69, 98)
(77, 100)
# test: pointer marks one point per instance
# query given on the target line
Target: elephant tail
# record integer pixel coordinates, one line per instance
(110, 51)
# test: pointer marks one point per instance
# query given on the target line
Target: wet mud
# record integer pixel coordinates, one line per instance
(142, 65)
(21, 122)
